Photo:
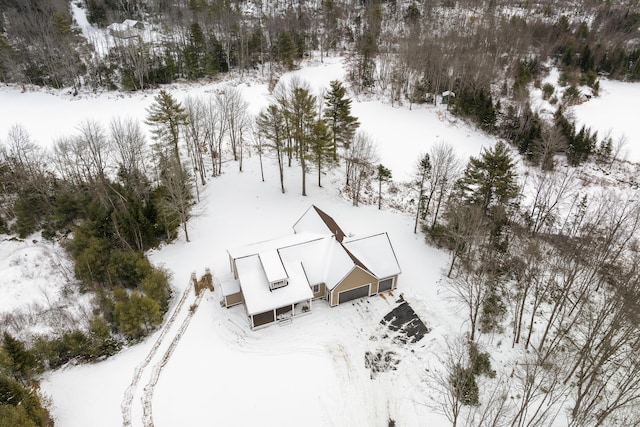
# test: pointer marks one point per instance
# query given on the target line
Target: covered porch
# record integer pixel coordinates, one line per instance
(282, 314)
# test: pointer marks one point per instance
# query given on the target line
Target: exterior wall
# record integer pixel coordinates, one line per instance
(322, 293)
(233, 299)
(356, 278)
(232, 265)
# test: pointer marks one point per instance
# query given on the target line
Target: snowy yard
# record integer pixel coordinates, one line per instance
(313, 368)
(308, 372)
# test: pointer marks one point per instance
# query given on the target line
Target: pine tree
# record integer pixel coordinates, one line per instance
(490, 179)
(302, 116)
(422, 174)
(319, 147)
(194, 52)
(271, 125)
(22, 362)
(166, 115)
(337, 114)
(382, 175)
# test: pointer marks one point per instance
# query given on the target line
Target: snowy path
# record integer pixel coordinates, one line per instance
(143, 369)
(147, 398)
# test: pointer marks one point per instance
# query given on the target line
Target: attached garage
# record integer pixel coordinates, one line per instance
(385, 285)
(357, 283)
(352, 294)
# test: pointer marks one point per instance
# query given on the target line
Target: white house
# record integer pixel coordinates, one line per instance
(278, 279)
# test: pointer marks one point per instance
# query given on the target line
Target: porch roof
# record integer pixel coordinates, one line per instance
(255, 286)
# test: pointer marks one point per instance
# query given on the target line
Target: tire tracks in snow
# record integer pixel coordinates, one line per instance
(147, 397)
(140, 369)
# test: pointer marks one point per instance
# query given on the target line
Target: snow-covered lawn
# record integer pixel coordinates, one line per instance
(311, 370)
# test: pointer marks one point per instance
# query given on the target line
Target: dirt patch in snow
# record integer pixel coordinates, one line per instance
(401, 327)
(380, 361)
(407, 324)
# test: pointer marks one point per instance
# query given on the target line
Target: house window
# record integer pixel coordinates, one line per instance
(315, 288)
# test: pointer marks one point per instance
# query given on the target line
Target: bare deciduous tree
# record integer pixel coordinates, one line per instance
(360, 163)
(130, 147)
(550, 191)
(447, 393)
(445, 171)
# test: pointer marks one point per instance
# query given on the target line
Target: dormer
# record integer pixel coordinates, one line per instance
(274, 269)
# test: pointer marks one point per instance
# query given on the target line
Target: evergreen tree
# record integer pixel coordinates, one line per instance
(489, 180)
(319, 147)
(135, 314)
(194, 52)
(337, 114)
(286, 49)
(271, 125)
(165, 116)
(19, 406)
(382, 175)
(302, 118)
(422, 174)
(21, 362)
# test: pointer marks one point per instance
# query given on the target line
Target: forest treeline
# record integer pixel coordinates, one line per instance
(408, 49)
(548, 268)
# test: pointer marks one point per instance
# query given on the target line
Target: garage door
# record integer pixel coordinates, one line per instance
(385, 285)
(360, 292)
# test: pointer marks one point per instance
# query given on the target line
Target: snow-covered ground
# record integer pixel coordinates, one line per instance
(37, 291)
(616, 112)
(311, 371)
(401, 134)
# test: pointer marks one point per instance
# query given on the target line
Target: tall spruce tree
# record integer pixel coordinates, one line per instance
(271, 125)
(337, 114)
(490, 179)
(302, 116)
(383, 174)
(422, 174)
(166, 116)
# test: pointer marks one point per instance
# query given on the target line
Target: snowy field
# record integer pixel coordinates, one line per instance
(616, 112)
(401, 134)
(309, 372)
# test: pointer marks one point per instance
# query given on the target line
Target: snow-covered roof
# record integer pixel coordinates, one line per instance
(273, 244)
(230, 287)
(338, 265)
(255, 286)
(311, 256)
(324, 260)
(272, 265)
(316, 221)
(376, 253)
(125, 25)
